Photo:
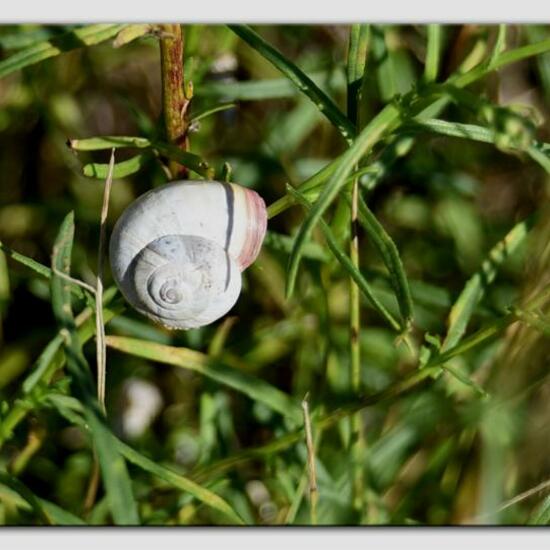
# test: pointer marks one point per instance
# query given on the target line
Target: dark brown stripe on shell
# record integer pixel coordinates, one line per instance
(230, 199)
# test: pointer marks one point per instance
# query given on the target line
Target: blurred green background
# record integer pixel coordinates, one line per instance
(440, 454)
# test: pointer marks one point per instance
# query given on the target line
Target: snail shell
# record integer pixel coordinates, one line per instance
(177, 251)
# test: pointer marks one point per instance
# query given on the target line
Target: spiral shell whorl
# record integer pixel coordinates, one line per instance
(184, 281)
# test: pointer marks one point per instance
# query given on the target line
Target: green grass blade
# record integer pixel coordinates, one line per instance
(362, 144)
(21, 489)
(130, 166)
(269, 88)
(49, 512)
(305, 84)
(391, 258)
(72, 409)
(256, 389)
(500, 44)
(37, 267)
(357, 56)
(108, 142)
(433, 53)
(58, 515)
(180, 482)
(541, 516)
(78, 38)
(190, 160)
(347, 264)
(464, 307)
(211, 111)
(502, 60)
(120, 170)
(113, 467)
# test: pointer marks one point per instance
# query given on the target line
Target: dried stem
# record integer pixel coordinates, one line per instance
(101, 348)
(175, 94)
(313, 492)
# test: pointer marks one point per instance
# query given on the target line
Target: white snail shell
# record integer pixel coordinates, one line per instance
(177, 251)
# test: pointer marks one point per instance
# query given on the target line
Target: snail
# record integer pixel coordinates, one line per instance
(177, 252)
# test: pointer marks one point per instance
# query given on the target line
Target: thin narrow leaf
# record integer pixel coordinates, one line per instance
(392, 260)
(211, 111)
(190, 160)
(203, 495)
(37, 267)
(72, 409)
(537, 151)
(121, 169)
(357, 56)
(108, 142)
(433, 53)
(131, 33)
(305, 84)
(541, 516)
(362, 144)
(78, 38)
(254, 388)
(464, 307)
(500, 44)
(502, 60)
(21, 489)
(49, 512)
(351, 269)
(115, 474)
(269, 88)
(26, 261)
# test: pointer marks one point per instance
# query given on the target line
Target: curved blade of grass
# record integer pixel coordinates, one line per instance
(115, 475)
(120, 169)
(211, 111)
(500, 44)
(72, 409)
(49, 512)
(391, 258)
(203, 495)
(464, 307)
(433, 53)
(22, 490)
(346, 262)
(505, 58)
(362, 144)
(255, 388)
(77, 38)
(305, 84)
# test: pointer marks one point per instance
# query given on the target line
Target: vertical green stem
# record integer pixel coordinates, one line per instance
(175, 95)
(358, 441)
(357, 54)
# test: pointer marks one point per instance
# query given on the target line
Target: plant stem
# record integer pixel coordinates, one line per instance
(313, 491)
(357, 437)
(175, 96)
(101, 349)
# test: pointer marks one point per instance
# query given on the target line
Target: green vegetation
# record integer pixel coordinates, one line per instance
(387, 360)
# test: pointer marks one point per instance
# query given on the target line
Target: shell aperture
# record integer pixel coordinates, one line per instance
(177, 251)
